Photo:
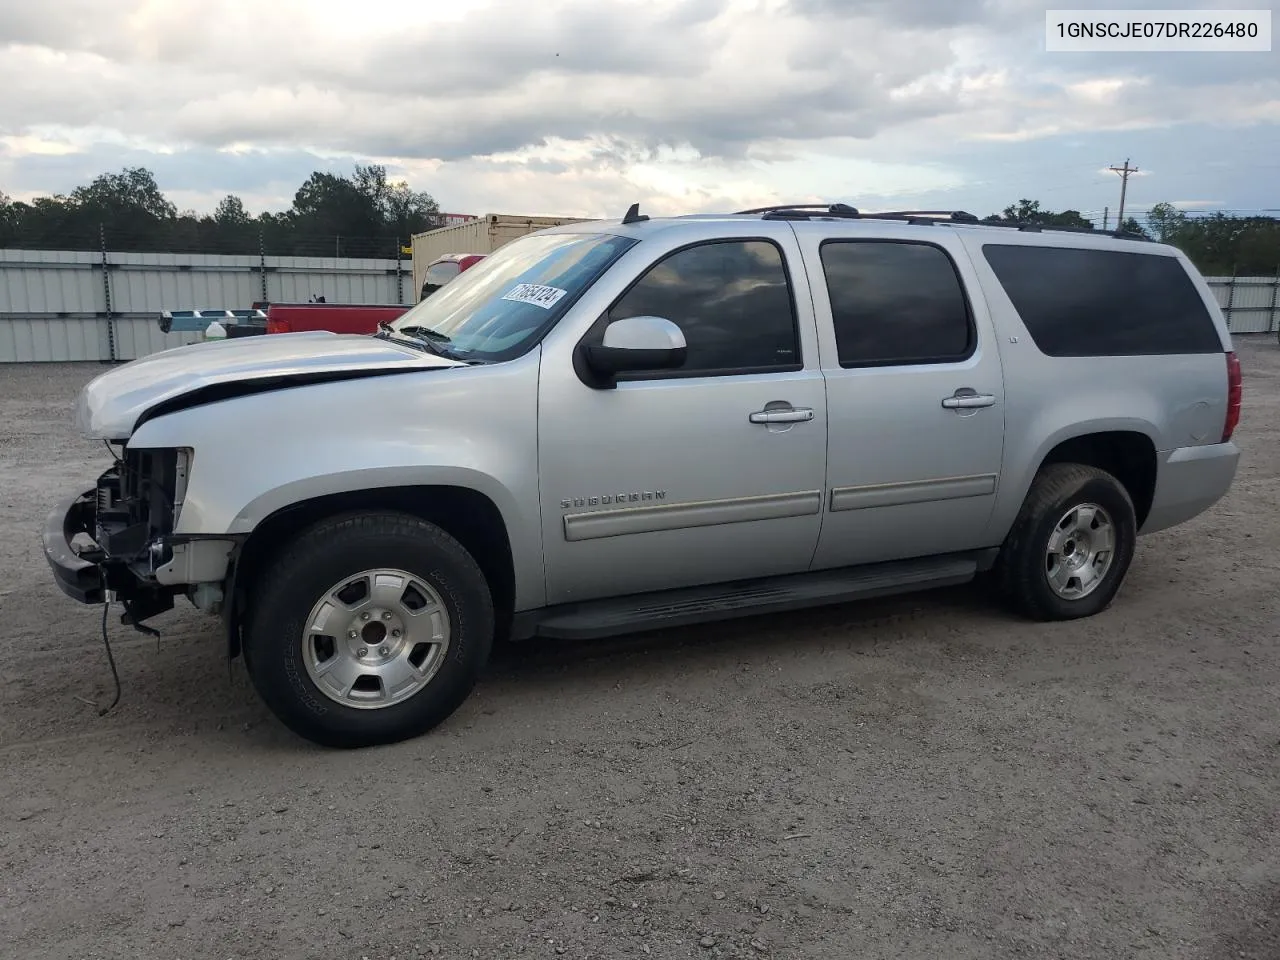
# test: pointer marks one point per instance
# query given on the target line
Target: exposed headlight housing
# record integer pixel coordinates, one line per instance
(140, 498)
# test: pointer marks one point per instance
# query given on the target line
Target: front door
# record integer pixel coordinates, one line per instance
(913, 370)
(710, 473)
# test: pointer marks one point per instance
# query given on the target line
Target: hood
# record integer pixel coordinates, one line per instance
(111, 405)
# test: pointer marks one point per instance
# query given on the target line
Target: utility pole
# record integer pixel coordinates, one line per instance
(1106, 213)
(1124, 183)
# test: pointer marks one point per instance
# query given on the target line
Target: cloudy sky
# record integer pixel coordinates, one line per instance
(580, 107)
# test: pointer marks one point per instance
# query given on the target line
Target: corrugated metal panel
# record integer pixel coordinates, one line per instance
(45, 340)
(337, 279)
(189, 286)
(49, 282)
(52, 281)
(139, 337)
(1250, 304)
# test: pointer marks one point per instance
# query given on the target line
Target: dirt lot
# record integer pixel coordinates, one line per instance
(926, 777)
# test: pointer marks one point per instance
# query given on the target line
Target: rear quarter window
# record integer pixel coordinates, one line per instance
(1078, 302)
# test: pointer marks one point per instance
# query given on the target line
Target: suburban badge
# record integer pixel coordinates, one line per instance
(637, 497)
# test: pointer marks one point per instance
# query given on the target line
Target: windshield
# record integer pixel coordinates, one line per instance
(507, 300)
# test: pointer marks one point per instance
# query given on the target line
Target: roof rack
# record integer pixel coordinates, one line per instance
(1026, 227)
(829, 209)
(805, 211)
(808, 211)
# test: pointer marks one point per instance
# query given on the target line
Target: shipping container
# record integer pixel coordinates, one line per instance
(482, 235)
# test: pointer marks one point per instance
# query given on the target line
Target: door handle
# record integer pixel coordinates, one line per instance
(967, 399)
(785, 415)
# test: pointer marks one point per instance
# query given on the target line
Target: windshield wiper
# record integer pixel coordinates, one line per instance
(425, 336)
(426, 332)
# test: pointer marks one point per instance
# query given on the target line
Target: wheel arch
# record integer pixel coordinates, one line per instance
(1126, 447)
(467, 514)
(1128, 455)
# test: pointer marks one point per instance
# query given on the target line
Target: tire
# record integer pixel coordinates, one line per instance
(415, 659)
(1025, 571)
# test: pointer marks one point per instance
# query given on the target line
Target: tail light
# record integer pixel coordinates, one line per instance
(1235, 390)
(277, 326)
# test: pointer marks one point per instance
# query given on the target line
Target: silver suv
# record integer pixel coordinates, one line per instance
(613, 426)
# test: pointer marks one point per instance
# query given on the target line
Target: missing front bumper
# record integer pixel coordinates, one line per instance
(88, 574)
(79, 578)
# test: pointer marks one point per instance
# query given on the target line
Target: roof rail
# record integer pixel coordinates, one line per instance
(960, 215)
(829, 209)
(808, 211)
(805, 211)
(1028, 227)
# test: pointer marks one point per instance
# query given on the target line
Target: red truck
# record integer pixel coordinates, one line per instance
(336, 317)
(444, 268)
(361, 317)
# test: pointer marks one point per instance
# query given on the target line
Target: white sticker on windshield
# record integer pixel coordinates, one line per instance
(535, 293)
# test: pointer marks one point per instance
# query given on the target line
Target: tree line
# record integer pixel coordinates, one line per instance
(365, 215)
(1219, 244)
(361, 215)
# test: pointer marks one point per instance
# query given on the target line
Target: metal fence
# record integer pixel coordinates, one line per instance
(82, 305)
(86, 305)
(1251, 304)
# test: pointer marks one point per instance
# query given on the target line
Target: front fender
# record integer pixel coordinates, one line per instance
(472, 427)
(371, 478)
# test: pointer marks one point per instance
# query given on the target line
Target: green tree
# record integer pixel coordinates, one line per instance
(400, 209)
(1131, 225)
(1218, 243)
(1166, 221)
(133, 191)
(230, 212)
(359, 215)
(328, 209)
(1029, 211)
(130, 204)
(8, 220)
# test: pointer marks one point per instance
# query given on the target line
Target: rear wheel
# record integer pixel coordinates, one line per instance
(1071, 545)
(369, 629)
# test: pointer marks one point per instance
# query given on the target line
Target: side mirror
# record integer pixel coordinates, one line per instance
(638, 343)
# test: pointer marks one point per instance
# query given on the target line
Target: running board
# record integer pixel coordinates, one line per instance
(594, 619)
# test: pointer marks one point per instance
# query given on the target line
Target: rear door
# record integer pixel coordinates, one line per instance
(915, 392)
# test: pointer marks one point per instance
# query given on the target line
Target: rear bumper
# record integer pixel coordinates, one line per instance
(78, 578)
(1190, 481)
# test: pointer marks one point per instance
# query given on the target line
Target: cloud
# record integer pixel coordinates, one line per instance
(575, 106)
(715, 74)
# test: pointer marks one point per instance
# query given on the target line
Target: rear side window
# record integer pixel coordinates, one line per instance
(895, 303)
(1099, 303)
(732, 301)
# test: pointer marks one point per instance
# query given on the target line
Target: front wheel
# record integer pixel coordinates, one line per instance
(369, 629)
(1071, 545)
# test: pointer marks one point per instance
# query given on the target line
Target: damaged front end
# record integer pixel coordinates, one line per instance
(116, 541)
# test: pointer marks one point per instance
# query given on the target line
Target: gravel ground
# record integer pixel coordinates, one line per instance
(923, 777)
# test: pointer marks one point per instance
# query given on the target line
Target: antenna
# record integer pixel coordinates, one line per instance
(633, 215)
